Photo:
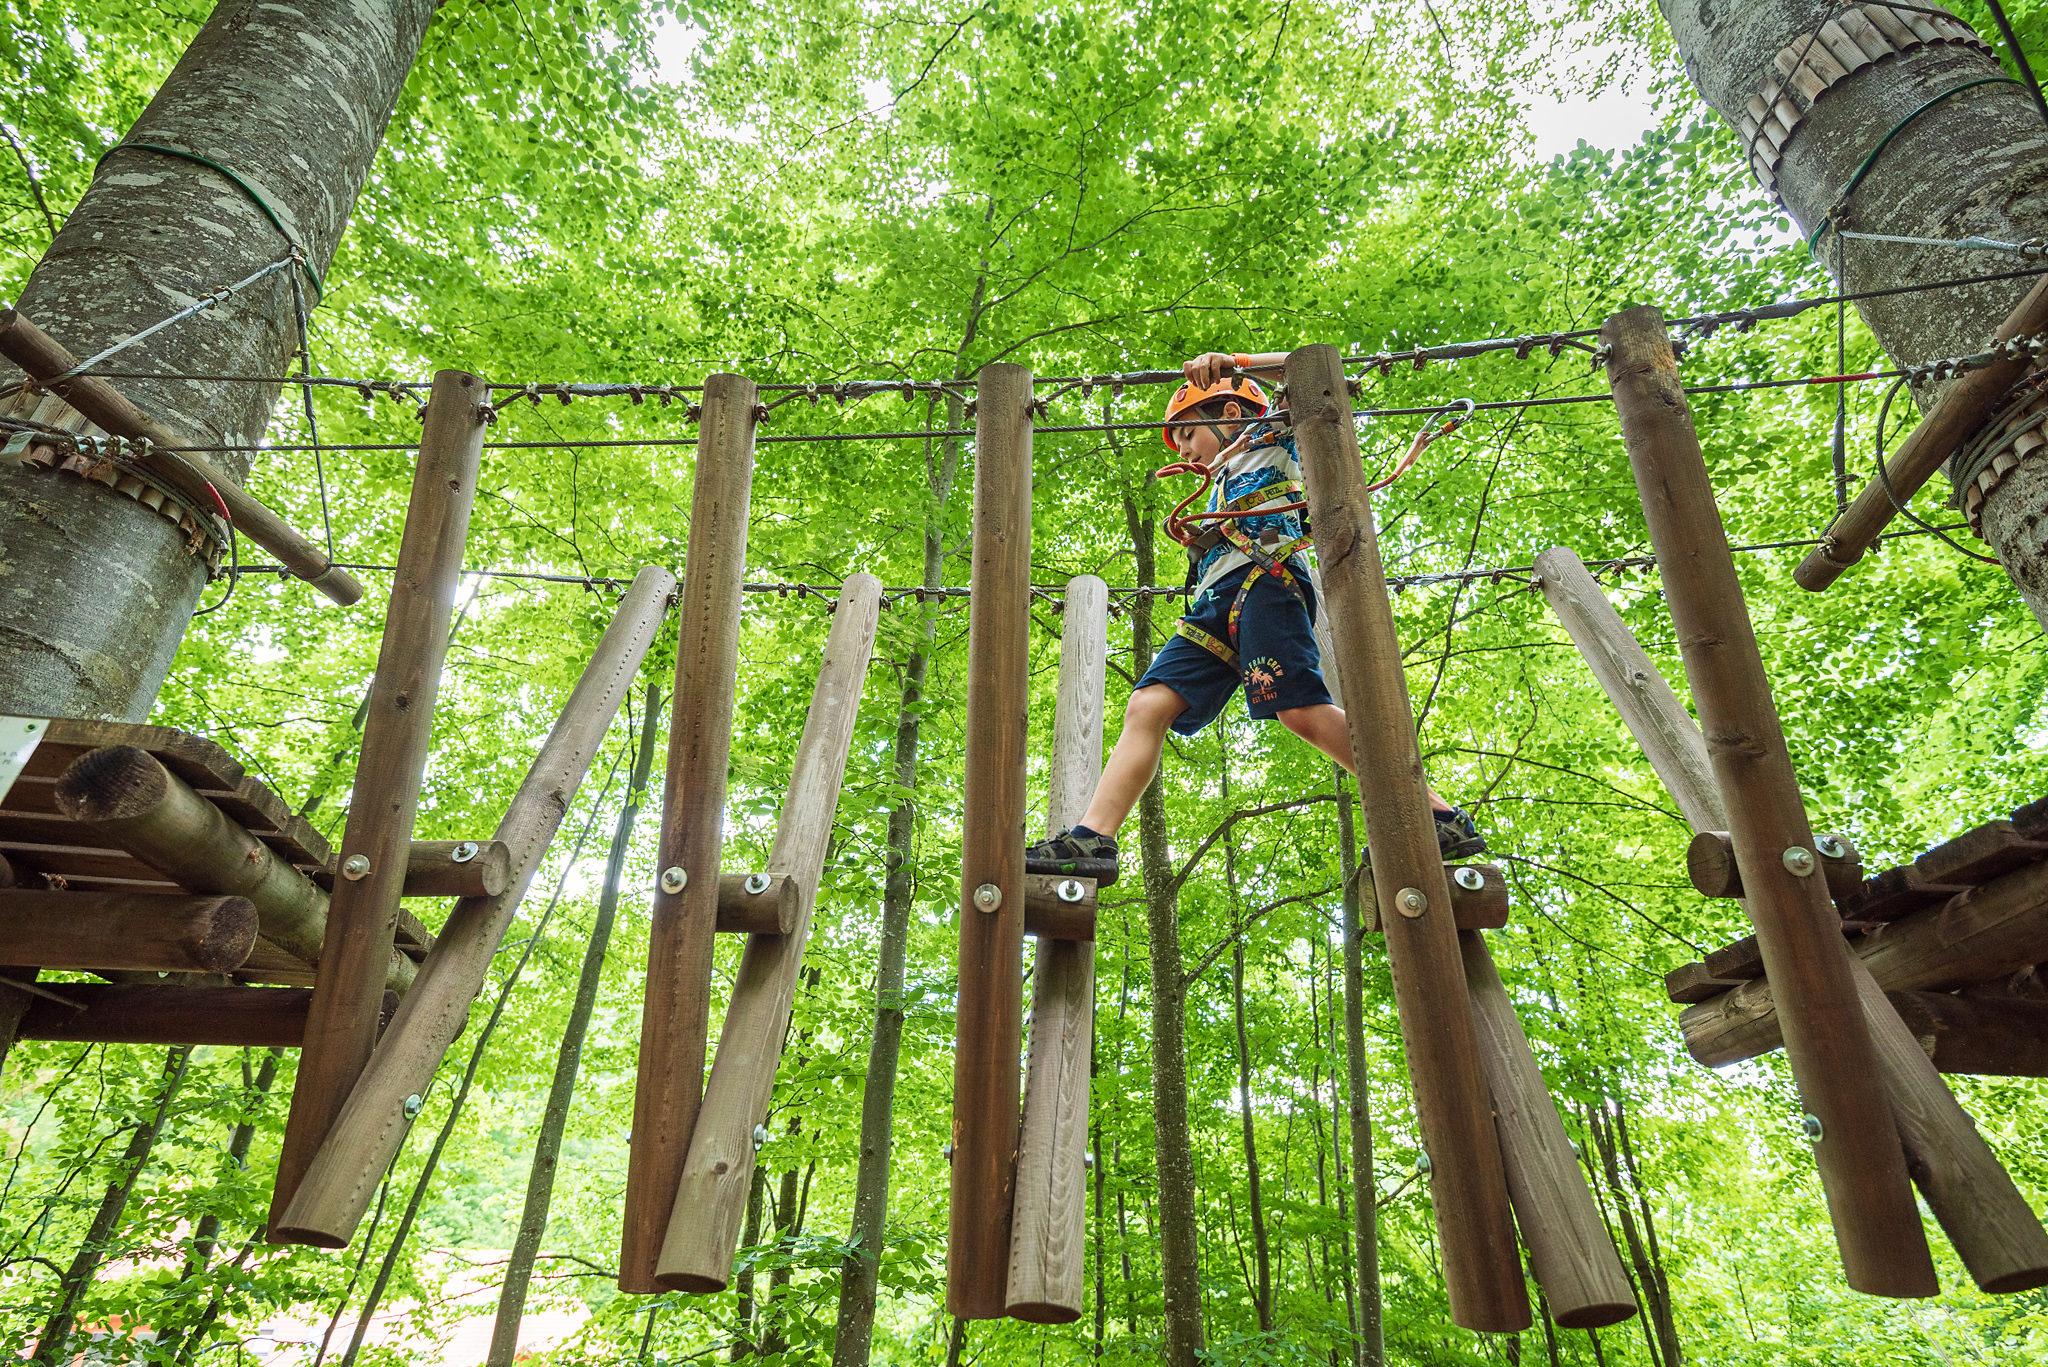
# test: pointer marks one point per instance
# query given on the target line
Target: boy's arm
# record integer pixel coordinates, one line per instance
(1206, 369)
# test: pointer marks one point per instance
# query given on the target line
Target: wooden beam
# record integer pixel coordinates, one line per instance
(1710, 863)
(1048, 1235)
(457, 868)
(1479, 897)
(675, 1020)
(1990, 1224)
(343, 1177)
(1570, 1251)
(43, 360)
(155, 1013)
(1986, 1036)
(1481, 1268)
(1050, 916)
(124, 795)
(355, 954)
(1968, 400)
(1870, 1196)
(711, 1200)
(990, 1017)
(87, 931)
(773, 910)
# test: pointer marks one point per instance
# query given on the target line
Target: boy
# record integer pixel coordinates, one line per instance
(1250, 621)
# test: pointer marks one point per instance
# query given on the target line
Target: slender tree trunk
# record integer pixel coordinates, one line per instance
(1101, 1304)
(1646, 1281)
(1173, 1147)
(1976, 162)
(1260, 1252)
(254, 1090)
(294, 100)
(743, 1281)
(1372, 1345)
(956, 1343)
(1666, 1316)
(773, 1311)
(861, 1268)
(1337, 1104)
(53, 1345)
(554, 1120)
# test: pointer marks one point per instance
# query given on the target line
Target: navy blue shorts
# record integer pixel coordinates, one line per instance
(1276, 650)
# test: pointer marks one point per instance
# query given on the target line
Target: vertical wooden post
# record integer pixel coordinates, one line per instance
(1570, 1251)
(343, 1177)
(991, 1001)
(1048, 1239)
(1994, 1231)
(1883, 1247)
(1482, 1271)
(348, 992)
(676, 1017)
(718, 1174)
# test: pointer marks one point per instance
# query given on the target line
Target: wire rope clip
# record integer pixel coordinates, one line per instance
(674, 879)
(988, 897)
(1411, 902)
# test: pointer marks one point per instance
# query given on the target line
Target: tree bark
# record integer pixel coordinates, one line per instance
(743, 1280)
(547, 1146)
(53, 1344)
(294, 101)
(1975, 162)
(860, 1270)
(1261, 1253)
(1173, 1148)
(1372, 1344)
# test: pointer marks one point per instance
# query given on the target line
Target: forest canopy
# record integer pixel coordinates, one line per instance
(647, 193)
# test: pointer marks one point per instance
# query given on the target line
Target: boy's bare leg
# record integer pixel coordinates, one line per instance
(1135, 759)
(1324, 727)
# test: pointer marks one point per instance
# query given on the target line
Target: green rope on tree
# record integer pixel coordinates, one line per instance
(256, 197)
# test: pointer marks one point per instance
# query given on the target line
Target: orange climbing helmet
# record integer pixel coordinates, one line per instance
(1188, 396)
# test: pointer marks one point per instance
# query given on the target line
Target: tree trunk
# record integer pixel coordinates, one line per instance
(1661, 1307)
(787, 1227)
(1180, 1254)
(1101, 1304)
(1260, 1251)
(743, 1280)
(1372, 1345)
(294, 101)
(547, 1146)
(860, 1270)
(1975, 162)
(53, 1345)
(1646, 1281)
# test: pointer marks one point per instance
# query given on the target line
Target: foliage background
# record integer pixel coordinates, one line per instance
(863, 189)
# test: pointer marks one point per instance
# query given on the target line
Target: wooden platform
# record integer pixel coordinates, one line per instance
(47, 850)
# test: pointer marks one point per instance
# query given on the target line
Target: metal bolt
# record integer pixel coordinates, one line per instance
(757, 883)
(1422, 1164)
(1810, 1124)
(1070, 890)
(1577, 1152)
(946, 1152)
(463, 853)
(1831, 847)
(1088, 1161)
(1469, 878)
(674, 879)
(1799, 860)
(760, 1137)
(356, 867)
(413, 1104)
(1411, 902)
(988, 897)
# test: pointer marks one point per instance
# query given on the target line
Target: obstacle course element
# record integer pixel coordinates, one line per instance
(1990, 1224)
(990, 1019)
(675, 1018)
(711, 1198)
(1048, 1230)
(1482, 1272)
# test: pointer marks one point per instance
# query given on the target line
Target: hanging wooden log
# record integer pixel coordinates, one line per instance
(1481, 1268)
(87, 931)
(1570, 1252)
(990, 1018)
(711, 1201)
(155, 1013)
(1965, 404)
(343, 1178)
(1710, 863)
(757, 904)
(457, 868)
(1990, 1224)
(1988, 1036)
(398, 722)
(675, 1020)
(189, 473)
(1870, 1197)
(1048, 1235)
(123, 794)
